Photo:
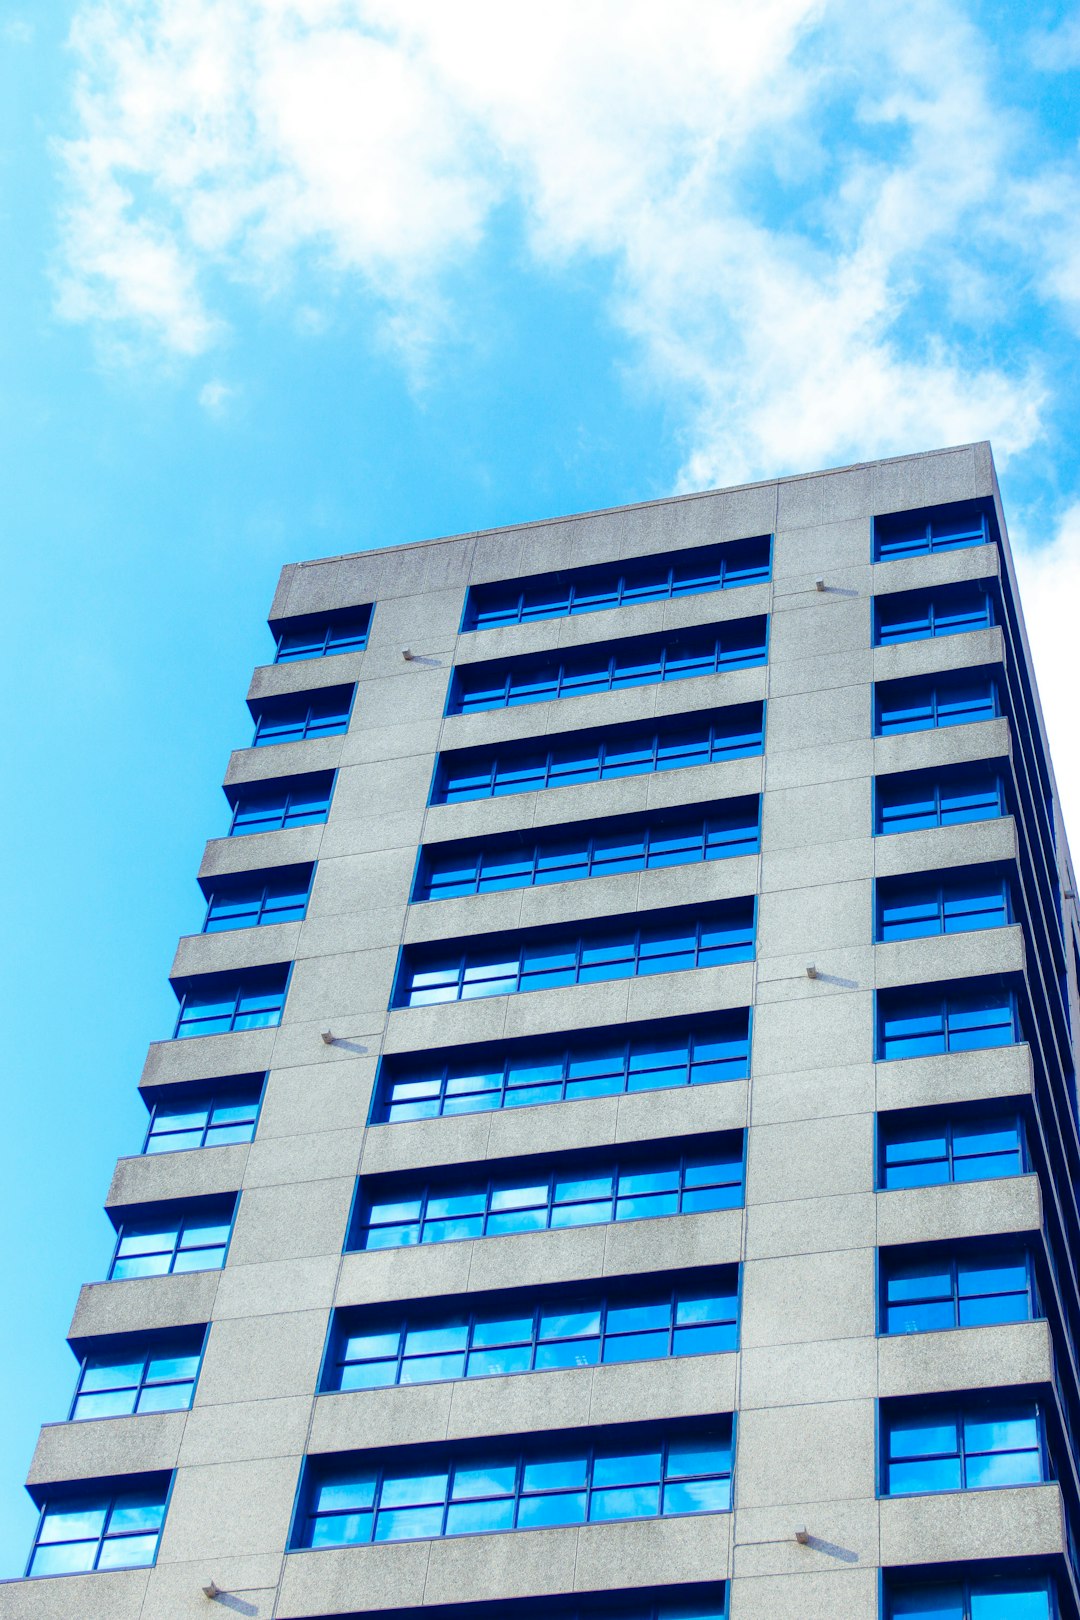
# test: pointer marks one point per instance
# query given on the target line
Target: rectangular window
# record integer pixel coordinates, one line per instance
(990, 1596)
(139, 1372)
(192, 1238)
(520, 1074)
(600, 755)
(107, 1527)
(302, 715)
(638, 1472)
(934, 528)
(563, 854)
(583, 1326)
(205, 1118)
(583, 1190)
(924, 703)
(966, 1443)
(586, 953)
(941, 1287)
(948, 903)
(673, 655)
(942, 798)
(929, 1019)
(617, 584)
(316, 635)
(253, 899)
(291, 801)
(696, 1601)
(219, 1003)
(928, 1148)
(942, 610)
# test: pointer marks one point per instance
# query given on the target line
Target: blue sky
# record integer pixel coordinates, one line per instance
(285, 278)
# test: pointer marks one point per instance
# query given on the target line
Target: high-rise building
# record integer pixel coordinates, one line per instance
(617, 1153)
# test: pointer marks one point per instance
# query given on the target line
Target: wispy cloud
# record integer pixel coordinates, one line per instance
(801, 211)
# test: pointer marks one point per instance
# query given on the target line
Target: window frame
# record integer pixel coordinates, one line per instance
(949, 1000)
(229, 887)
(936, 599)
(936, 688)
(242, 979)
(150, 1345)
(942, 889)
(947, 1119)
(112, 1493)
(334, 617)
(951, 775)
(965, 1586)
(288, 786)
(959, 1407)
(336, 720)
(230, 1091)
(954, 1256)
(181, 1213)
(982, 530)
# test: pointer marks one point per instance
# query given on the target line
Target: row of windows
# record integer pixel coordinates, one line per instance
(292, 801)
(193, 1238)
(561, 854)
(206, 1119)
(920, 906)
(936, 1147)
(141, 1375)
(944, 610)
(251, 899)
(618, 584)
(302, 715)
(525, 1487)
(585, 1190)
(638, 661)
(924, 1021)
(480, 1078)
(923, 703)
(543, 958)
(320, 635)
(566, 1327)
(963, 1444)
(221, 1003)
(114, 1529)
(959, 1290)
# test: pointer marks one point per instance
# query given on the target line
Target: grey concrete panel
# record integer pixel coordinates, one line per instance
(454, 1023)
(950, 956)
(794, 922)
(300, 1043)
(814, 765)
(313, 1156)
(698, 990)
(249, 852)
(175, 1591)
(468, 1569)
(464, 917)
(938, 653)
(817, 865)
(116, 1594)
(108, 1447)
(416, 1144)
(838, 973)
(801, 1454)
(714, 607)
(909, 482)
(653, 1552)
(733, 686)
(426, 624)
(687, 1386)
(820, 1031)
(852, 1593)
(578, 1006)
(924, 1214)
(235, 949)
(828, 625)
(261, 1358)
(535, 1403)
(936, 568)
(685, 1111)
(365, 1419)
(144, 1302)
(972, 1524)
(784, 1375)
(243, 1431)
(809, 1226)
(810, 1158)
(945, 745)
(534, 1259)
(377, 1276)
(349, 884)
(934, 849)
(356, 987)
(1004, 1071)
(277, 1286)
(836, 552)
(353, 1580)
(813, 1093)
(284, 759)
(828, 672)
(280, 680)
(967, 1358)
(843, 1533)
(744, 512)
(188, 1174)
(821, 813)
(806, 1298)
(633, 1247)
(588, 1123)
(292, 1222)
(229, 1510)
(208, 1057)
(390, 829)
(408, 740)
(317, 1097)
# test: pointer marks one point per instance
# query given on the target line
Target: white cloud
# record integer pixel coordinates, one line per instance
(764, 264)
(214, 396)
(1049, 576)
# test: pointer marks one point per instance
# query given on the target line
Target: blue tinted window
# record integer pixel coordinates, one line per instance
(469, 1080)
(954, 903)
(939, 528)
(562, 854)
(922, 703)
(218, 1003)
(943, 610)
(139, 1373)
(924, 1020)
(110, 1527)
(567, 1327)
(925, 1150)
(598, 756)
(205, 1118)
(638, 1473)
(587, 1190)
(941, 1289)
(639, 661)
(914, 799)
(545, 958)
(296, 801)
(971, 1444)
(303, 715)
(616, 584)
(194, 1238)
(314, 635)
(982, 1597)
(252, 899)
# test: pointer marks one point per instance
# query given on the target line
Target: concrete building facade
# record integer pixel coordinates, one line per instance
(618, 1150)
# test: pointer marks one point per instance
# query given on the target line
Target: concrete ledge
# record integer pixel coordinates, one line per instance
(208, 1057)
(954, 1525)
(252, 852)
(944, 745)
(234, 949)
(1001, 1071)
(193, 1173)
(305, 675)
(936, 568)
(107, 1447)
(965, 1358)
(142, 1303)
(943, 957)
(969, 650)
(961, 1209)
(117, 1593)
(284, 759)
(932, 849)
